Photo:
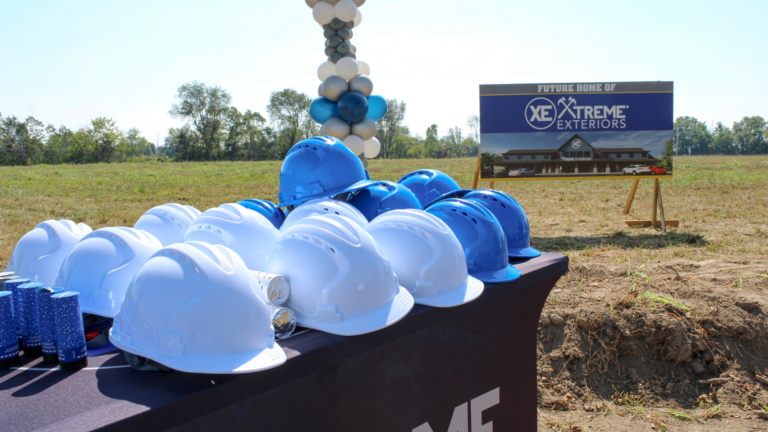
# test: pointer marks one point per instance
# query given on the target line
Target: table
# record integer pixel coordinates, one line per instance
(472, 367)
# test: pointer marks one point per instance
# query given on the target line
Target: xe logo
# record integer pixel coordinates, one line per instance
(469, 413)
(540, 113)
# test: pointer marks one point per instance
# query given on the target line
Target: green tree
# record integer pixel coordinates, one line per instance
(389, 128)
(722, 141)
(749, 135)
(669, 153)
(432, 142)
(694, 138)
(288, 112)
(205, 108)
(105, 135)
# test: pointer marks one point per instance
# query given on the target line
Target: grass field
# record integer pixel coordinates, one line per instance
(721, 202)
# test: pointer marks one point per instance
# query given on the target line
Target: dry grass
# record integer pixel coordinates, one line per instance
(721, 202)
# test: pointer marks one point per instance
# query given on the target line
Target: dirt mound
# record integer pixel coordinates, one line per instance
(681, 335)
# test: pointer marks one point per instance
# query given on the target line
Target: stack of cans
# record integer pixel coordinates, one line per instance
(48, 324)
(70, 338)
(6, 276)
(9, 345)
(274, 290)
(31, 335)
(12, 286)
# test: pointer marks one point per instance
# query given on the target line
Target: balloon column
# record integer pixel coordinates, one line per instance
(346, 108)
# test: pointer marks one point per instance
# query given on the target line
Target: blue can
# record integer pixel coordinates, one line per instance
(12, 286)
(31, 336)
(70, 336)
(48, 323)
(9, 345)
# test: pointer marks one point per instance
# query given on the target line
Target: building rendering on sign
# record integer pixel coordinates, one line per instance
(576, 156)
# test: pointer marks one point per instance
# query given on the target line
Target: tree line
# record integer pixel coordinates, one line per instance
(748, 136)
(214, 130)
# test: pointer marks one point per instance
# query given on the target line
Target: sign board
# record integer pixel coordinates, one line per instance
(576, 130)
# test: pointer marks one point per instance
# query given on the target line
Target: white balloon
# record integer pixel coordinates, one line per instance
(355, 143)
(372, 148)
(358, 18)
(325, 70)
(345, 10)
(347, 68)
(323, 13)
(311, 3)
(364, 69)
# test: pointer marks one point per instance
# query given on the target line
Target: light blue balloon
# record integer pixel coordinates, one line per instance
(323, 109)
(377, 107)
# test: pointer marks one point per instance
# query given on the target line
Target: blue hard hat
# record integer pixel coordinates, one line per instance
(481, 236)
(373, 198)
(512, 218)
(267, 209)
(428, 184)
(319, 167)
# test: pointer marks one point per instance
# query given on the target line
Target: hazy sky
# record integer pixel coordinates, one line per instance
(68, 62)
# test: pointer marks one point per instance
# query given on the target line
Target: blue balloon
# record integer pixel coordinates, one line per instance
(377, 107)
(353, 107)
(323, 109)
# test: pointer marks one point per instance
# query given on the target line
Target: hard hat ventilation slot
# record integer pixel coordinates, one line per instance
(122, 244)
(474, 220)
(318, 240)
(414, 228)
(196, 270)
(464, 213)
(401, 225)
(502, 204)
(425, 234)
(332, 250)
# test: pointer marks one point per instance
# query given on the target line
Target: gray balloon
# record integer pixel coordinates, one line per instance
(337, 24)
(334, 41)
(349, 24)
(337, 128)
(351, 55)
(333, 2)
(329, 50)
(320, 90)
(329, 32)
(343, 48)
(344, 33)
(335, 57)
(352, 48)
(312, 3)
(357, 2)
(325, 26)
(334, 87)
(327, 43)
(364, 160)
(361, 84)
(365, 129)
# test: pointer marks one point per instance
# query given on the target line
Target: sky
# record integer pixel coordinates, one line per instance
(66, 63)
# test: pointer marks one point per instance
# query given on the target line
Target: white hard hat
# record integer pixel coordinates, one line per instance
(246, 232)
(321, 207)
(192, 308)
(39, 254)
(168, 222)
(427, 257)
(102, 266)
(340, 282)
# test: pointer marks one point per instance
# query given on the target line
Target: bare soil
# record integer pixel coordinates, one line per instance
(678, 345)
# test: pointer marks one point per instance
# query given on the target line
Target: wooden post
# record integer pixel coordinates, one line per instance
(492, 185)
(477, 172)
(661, 212)
(631, 196)
(655, 202)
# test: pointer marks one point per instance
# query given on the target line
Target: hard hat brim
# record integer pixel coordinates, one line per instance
(329, 193)
(454, 194)
(470, 291)
(523, 253)
(236, 363)
(108, 313)
(507, 274)
(383, 317)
